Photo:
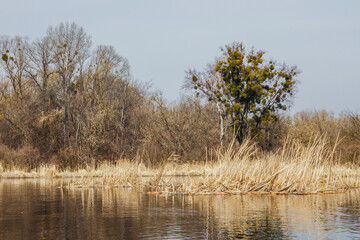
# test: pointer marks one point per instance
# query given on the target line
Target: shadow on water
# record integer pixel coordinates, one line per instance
(33, 209)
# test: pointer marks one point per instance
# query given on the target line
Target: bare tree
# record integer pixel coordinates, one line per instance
(15, 62)
(70, 45)
(40, 66)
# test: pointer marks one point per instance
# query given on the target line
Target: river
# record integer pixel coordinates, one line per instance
(37, 209)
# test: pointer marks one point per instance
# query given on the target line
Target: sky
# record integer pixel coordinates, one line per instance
(163, 38)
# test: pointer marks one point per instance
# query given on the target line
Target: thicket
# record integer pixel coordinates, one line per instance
(65, 102)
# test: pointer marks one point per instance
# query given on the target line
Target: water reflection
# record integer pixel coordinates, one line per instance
(33, 209)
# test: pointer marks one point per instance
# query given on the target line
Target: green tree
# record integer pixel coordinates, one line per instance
(246, 88)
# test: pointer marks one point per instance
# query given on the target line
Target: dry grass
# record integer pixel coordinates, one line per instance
(296, 168)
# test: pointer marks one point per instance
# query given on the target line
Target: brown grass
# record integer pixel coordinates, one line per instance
(296, 168)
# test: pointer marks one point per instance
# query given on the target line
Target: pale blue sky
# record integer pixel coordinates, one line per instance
(163, 38)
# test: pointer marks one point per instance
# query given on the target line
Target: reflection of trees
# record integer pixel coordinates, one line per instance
(21, 217)
(32, 209)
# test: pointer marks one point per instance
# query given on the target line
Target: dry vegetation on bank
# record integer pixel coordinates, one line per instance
(293, 169)
(296, 168)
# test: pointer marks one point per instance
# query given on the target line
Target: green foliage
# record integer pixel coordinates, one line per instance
(250, 90)
(5, 57)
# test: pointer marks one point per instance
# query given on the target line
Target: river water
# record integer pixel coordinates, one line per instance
(35, 209)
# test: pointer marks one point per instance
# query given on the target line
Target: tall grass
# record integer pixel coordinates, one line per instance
(295, 168)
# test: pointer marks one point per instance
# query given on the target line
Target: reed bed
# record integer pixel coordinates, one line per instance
(295, 169)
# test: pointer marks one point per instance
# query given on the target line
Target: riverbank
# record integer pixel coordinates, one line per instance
(295, 169)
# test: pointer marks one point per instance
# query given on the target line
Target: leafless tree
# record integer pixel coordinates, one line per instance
(70, 49)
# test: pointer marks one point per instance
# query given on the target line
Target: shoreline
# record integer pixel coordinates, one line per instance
(179, 184)
(161, 189)
(296, 169)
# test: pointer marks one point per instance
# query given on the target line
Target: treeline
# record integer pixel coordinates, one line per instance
(65, 102)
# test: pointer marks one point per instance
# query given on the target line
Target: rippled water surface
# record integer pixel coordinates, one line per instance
(34, 209)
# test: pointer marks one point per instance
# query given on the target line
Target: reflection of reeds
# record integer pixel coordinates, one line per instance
(310, 214)
(294, 169)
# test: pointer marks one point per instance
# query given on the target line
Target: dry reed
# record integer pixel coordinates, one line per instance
(296, 169)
